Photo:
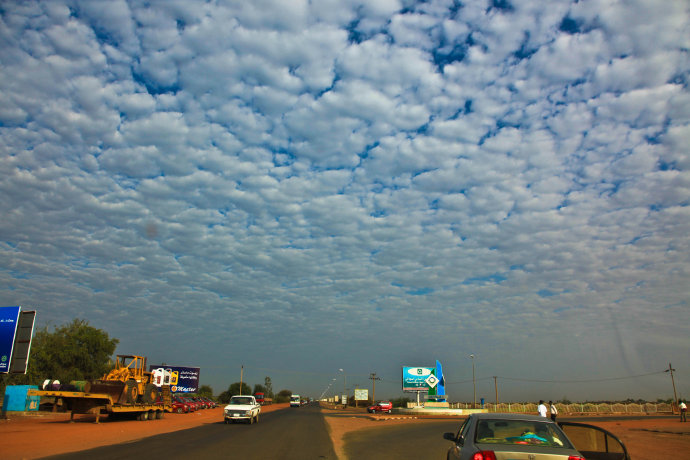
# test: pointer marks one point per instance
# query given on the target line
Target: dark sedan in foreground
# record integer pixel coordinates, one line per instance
(530, 437)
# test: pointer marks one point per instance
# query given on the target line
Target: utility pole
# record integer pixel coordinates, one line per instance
(241, 377)
(675, 398)
(373, 379)
(496, 387)
(474, 384)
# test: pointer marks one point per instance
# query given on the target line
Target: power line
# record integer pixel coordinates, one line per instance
(608, 379)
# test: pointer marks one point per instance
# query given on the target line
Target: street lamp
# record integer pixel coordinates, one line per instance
(474, 384)
(327, 388)
(344, 385)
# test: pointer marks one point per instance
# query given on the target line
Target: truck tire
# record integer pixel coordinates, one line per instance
(150, 394)
(131, 391)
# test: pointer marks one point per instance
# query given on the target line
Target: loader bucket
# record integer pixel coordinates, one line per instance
(116, 390)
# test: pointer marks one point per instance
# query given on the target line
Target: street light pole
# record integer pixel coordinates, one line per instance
(474, 384)
(344, 386)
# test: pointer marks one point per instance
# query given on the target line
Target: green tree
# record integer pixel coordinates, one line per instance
(269, 387)
(401, 402)
(74, 351)
(206, 391)
(283, 396)
(233, 390)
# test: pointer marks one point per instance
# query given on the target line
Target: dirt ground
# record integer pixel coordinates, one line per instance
(645, 439)
(42, 434)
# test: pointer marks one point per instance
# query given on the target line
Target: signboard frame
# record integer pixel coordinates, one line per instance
(23, 337)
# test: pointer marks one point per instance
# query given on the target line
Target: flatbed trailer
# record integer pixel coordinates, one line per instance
(80, 402)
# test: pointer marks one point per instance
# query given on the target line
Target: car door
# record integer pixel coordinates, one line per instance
(594, 443)
(458, 438)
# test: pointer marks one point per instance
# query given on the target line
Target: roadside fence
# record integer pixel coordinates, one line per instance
(577, 408)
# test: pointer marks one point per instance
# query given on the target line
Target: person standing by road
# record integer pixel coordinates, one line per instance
(553, 411)
(683, 411)
(542, 408)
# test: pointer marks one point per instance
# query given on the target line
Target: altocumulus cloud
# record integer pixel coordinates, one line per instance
(357, 185)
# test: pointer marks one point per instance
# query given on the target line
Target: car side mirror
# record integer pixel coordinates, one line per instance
(452, 437)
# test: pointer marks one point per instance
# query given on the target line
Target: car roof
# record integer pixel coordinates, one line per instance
(504, 416)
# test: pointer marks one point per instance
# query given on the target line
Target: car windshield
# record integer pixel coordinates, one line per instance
(238, 401)
(520, 432)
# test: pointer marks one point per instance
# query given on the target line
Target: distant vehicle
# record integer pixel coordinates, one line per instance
(242, 408)
(381, 406)
(211, 402)
(295, 401)
(177, 406)
(491, 436)
(203, 404)
(193, 405)
(262, 399)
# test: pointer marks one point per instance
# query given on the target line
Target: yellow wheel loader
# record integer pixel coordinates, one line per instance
(128, 383)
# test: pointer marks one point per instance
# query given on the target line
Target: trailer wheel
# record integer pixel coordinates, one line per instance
(142, 416)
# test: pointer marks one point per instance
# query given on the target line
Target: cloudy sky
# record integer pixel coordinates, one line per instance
(306, 186)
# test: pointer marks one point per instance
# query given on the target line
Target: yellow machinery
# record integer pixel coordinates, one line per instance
(128, 383)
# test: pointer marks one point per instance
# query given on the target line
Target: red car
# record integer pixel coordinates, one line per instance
(180, 407)
(193, 406)
(381, 406)
(177, 406)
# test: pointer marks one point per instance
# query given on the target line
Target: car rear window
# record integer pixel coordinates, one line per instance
(520, 432)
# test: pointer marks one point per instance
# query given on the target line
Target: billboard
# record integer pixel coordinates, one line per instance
(182, 379)
(361, 394)
(9, 316)
(418, 378)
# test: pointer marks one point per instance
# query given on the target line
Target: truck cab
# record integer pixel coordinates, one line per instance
(295, 401)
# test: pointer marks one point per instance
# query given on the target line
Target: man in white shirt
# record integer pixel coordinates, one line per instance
(553, 411)
(542, 408)
(683, 411)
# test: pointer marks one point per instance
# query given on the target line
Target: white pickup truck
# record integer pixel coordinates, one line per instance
(242, 408)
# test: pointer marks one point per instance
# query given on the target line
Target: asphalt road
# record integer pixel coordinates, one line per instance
(401, 442)
(290, 434)
(422, 440)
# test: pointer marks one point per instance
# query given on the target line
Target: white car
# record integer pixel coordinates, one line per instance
(243, 408)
